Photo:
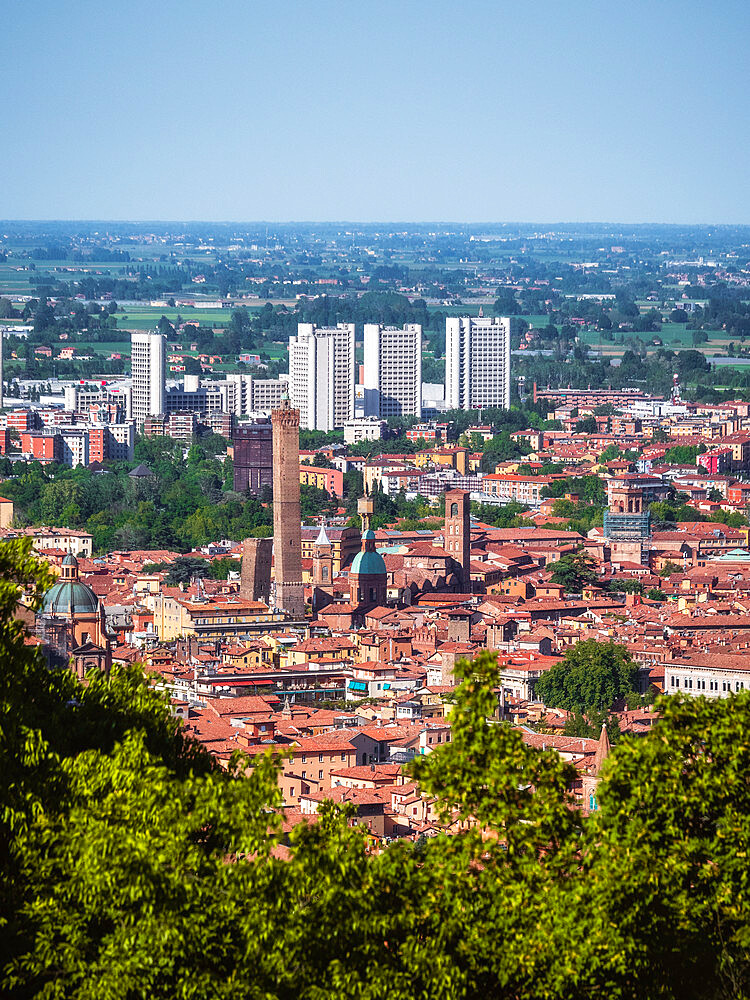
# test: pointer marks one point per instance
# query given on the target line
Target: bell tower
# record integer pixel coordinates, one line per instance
(322, 571)
(457, 542)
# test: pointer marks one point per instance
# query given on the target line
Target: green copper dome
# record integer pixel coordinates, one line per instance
(69, 597)
(369, 562)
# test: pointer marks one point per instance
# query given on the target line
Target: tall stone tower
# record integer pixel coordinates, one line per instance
(255, 579)
(287, 533)
(458, 533)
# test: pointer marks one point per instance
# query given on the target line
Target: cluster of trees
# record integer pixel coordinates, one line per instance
(134, 866)
(677, 509)
(183, 505)
(184, 569)
(574, 571)
(507, 516)
(591, 676)
(589, 489)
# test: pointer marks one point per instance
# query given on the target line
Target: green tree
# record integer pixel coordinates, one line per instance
(586, 426)
(591, 676)
(573, 571)
(669, 568)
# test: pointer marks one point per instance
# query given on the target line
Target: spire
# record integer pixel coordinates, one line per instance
(322, 538)
(286, 711)
(602, 750)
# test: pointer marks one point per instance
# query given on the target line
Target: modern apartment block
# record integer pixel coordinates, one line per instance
(321, 368)
(393, 370)
(254, 394)
(86, 397)
(148, 361)
(477, 362)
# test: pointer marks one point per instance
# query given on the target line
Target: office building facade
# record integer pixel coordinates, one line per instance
(393, 370)
(321, 369)
(477, 362)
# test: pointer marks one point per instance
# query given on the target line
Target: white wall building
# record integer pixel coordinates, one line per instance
(148, 364)
(75, 446)
(321, 369)
(712, 675)
(477, 362)
(82, 396)
(121, 441)
(256, 394)
(364, 429)
(393, 370)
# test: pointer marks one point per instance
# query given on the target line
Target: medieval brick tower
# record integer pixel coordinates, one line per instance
(255, 579)
(287, 534)
(458, 533)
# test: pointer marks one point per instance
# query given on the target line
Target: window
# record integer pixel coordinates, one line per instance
(304, 758)
(320, 757)
(320, 774)
(304, 774)
(343, 756)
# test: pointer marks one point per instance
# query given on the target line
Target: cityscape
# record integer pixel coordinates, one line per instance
(375, 596)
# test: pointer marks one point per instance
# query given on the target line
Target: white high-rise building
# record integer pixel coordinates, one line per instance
(148, 367)
(393, 370)
(321, 373)
(477, 362)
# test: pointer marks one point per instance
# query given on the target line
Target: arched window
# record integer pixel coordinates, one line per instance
(454, 510)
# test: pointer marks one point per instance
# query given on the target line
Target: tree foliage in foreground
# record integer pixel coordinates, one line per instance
(134, 867)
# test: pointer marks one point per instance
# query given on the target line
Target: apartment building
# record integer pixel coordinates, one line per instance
(477, 362)
(321, 368)
(393, 370)
(521, 489)
(253, 394)
(330, 480)
(115, 398)
(364, 429)
(148, 365)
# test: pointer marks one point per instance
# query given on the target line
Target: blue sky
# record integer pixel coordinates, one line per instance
(571, 110)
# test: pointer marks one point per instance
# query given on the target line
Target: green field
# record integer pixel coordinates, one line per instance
(97, 347)
(673, 336)
(147, 318)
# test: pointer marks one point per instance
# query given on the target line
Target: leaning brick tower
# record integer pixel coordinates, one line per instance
(287, 533)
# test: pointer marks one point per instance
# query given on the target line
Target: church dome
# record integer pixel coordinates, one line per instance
(368, 562)
(70, 597)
